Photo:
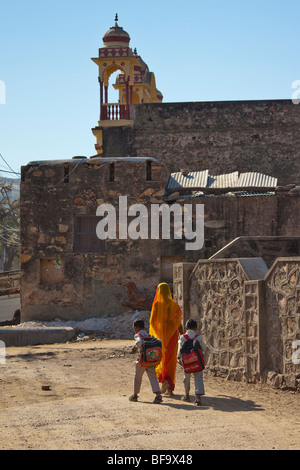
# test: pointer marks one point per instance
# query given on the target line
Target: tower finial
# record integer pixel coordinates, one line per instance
(116, 18)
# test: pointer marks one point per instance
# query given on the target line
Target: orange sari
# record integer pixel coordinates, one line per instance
(165, 321)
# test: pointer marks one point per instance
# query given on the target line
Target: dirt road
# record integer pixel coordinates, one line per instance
(75, 396)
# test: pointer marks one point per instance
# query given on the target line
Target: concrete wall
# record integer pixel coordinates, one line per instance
(260, 136)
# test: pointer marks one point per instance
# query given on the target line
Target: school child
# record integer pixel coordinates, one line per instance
(140, 334)
(191, 327)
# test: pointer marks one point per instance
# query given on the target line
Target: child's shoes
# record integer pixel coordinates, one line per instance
(133, 398)
(158, 399)
(185, 398)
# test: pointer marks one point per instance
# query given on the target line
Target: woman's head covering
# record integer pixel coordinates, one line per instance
(163, 292)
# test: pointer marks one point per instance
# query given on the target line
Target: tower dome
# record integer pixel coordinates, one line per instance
(116, 36)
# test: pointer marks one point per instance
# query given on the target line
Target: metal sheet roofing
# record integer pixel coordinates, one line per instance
(202, 179)
(256, 180)
(194, 179)
(223, 181)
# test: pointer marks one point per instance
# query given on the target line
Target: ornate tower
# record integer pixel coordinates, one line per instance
(134, 83)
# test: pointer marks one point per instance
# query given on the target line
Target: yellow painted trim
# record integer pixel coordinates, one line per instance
(119, 123)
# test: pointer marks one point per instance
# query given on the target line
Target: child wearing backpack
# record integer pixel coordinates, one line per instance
(147, 361)
(190, 358)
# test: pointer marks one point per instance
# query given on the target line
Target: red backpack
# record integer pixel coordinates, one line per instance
(192, 356)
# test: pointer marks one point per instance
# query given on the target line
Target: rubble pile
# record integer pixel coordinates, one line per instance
(109, 326)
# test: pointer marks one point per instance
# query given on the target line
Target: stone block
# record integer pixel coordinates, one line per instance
(62, 228)
(21, 336)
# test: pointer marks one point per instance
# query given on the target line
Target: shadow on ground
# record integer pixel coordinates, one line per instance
(223, 403)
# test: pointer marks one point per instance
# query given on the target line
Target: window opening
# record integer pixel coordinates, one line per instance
(112, 172)
(85, 238)
(66, 172)
(148, 171)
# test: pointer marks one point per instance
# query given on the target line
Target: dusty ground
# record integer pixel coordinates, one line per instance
(87, 406)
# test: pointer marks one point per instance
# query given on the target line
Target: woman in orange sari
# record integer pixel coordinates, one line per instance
(166, 324)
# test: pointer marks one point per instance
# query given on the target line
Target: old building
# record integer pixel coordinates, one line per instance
(144, 146)
(67, 271)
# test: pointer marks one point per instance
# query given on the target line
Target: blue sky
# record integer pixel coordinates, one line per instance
(198, 50)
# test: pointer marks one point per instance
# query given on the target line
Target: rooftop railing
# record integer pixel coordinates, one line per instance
(114, 112)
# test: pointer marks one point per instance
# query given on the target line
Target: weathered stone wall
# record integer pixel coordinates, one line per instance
(60, 282)
(181, 274)
(71, 284)
(282, 310)
(260, 136)
(251, 327)
(254, 330)
(217, 303)
(10, 283)
(229, 217)
(267, 247)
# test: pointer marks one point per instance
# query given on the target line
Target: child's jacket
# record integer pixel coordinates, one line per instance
(139, 339)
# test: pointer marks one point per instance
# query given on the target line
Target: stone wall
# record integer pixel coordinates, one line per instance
(229, 217)
(267, 247)
(9, 283)
(282, 311)
(260, 136)
(60, 281)
(250, 321)
(217, 303)
(181, 274)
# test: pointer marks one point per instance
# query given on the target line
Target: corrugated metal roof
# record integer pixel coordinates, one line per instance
(202, 179)
(256, 180)
(229, 194)
(194, 179)
(223, 181)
